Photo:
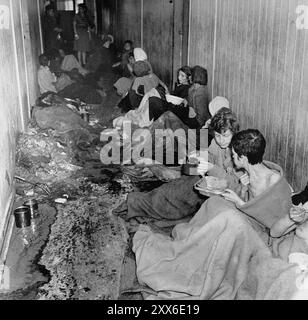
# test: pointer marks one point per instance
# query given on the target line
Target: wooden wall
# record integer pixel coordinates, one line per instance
(201, 37)
(19, 46)
(156, 27)
(128, 21)
(33, 47)
(260, 64)
(158, 36)
(254, 54)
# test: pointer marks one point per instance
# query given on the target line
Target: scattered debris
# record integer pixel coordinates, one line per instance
(86, 248)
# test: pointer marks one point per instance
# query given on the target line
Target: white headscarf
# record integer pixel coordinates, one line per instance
(140, 55)
(218, 103)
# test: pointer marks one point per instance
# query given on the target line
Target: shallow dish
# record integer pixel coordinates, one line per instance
(209, 192)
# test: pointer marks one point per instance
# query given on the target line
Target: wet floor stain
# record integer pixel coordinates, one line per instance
(74, 251)
(86, 249)
(26, 275)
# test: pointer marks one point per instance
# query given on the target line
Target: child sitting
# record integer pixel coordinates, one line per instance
(183, 83)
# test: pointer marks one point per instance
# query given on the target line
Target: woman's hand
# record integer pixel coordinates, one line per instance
(76, 36)
(230, 195)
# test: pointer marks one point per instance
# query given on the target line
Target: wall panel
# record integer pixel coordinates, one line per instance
(33, 45)
(10, 117)
(129, 21)
(255, 56)
(160, 27)
(260, 62)
(158, 37)
(202, 29)
(19, 48)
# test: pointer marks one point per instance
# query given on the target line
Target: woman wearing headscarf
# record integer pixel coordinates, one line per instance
(144, 81)
(140, 55)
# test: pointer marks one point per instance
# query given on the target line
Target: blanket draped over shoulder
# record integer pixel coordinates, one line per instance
(217, 255)
(266, 209)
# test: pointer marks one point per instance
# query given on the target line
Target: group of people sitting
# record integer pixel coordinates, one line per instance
(234, 245)
(140, 84)
(62, 73)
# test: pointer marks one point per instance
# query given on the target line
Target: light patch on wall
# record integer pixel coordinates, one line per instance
(7, 178)
(302, 19)
(65, 5)
(4, 17)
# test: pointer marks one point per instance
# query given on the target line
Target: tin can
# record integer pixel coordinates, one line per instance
(22, 217)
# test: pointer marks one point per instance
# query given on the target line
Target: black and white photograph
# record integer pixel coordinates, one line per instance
(154, 153)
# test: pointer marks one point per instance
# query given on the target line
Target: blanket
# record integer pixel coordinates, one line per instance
(217, 255)
(236, 261)
(172, 201)
(270, 206)
(178, 199)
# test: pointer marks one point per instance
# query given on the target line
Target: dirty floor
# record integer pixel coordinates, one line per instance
(78, 250)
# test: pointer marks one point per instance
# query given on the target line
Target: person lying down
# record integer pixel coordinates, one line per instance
(224, 251)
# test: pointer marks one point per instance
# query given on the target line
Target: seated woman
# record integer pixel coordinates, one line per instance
(46, 78)
(142, 84)
(219, 254)
(65, 67)
(198, 97)
(223, 127)
(124, 84)
(194, 112)
(101, 57)
(178, 199)
(183, 83)
(124, 56)
(140, 55)
(70, 84)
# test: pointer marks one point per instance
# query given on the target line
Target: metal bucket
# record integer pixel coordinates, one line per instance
(22, 217)
(33, 206)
